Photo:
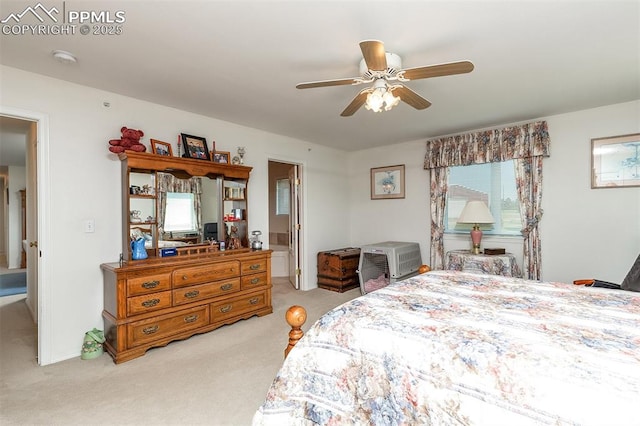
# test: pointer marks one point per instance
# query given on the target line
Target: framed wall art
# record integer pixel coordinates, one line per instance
(387, 182)
(221, 157)
(615, 161)
(195, 147)
(161, 148)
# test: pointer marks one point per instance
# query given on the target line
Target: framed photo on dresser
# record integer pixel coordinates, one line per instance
(195, 147)
(161, 148)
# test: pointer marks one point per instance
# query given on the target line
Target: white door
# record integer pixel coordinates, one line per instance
(38, 212)
(295, 272)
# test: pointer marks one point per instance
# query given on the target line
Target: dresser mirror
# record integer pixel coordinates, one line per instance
(188, 209)
(180, 203)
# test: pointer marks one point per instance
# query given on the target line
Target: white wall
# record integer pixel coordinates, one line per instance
(84, 180)
(588, 233)
(585, 233)
(406, 219)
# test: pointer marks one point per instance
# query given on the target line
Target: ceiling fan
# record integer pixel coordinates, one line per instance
(385, 71)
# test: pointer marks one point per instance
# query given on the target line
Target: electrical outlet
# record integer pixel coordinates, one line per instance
(89, 226)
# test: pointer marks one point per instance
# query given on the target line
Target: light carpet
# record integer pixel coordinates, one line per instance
(216, 378)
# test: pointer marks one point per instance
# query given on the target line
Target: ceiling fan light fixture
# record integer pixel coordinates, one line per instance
(381, 97)
(375, 100)
(389, 100)
(384, 69)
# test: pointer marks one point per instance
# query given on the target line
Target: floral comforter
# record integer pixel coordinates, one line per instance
(450, 347)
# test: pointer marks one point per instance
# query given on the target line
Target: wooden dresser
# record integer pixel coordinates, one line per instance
(149, 303)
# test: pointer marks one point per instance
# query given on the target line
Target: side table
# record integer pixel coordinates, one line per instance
(494, 264)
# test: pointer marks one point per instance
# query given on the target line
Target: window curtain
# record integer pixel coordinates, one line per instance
(169, 183)
(527, 144)
(439, 187)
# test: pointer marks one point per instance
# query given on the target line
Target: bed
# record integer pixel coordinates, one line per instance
(449, 347)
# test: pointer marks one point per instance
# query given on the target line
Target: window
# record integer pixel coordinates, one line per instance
(180, 214)
(282, 196)
(493, 183)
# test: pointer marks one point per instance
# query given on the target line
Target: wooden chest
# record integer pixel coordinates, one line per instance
(337, 269)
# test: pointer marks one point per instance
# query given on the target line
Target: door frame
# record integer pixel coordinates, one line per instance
(295, 238)
(43, 227)
(302, 214)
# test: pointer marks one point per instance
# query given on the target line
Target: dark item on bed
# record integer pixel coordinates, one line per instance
(631, 281)
(491, 251)
(337, 269)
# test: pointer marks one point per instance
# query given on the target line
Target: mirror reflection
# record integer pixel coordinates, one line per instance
(187, 210)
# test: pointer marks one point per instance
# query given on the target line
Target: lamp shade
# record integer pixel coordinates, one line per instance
(475, 212)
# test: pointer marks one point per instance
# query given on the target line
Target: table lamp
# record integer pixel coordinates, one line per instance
(476, 212)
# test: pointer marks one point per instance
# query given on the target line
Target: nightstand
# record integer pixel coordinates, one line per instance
(495, 264)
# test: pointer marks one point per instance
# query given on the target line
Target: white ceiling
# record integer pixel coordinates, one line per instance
(239, 61)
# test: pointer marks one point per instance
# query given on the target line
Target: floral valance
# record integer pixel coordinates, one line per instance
(488, 146)
(169, 183)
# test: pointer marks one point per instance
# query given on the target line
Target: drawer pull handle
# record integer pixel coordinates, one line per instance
(151, 284)
(255, 281)
(184, 277)
(226, 287)
(226, 309)
(150, 330)
(150, 303)
(192, 294)
(254, 301)
(254, 266)
(190, 318)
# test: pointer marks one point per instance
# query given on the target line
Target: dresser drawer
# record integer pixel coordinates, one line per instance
(253, 281)
(238, 306)
(145, 331)
(148, 284)
(148, 302)
(252, 266)
(204, 291)
(202, 274)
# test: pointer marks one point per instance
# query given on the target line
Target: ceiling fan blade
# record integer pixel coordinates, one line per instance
(412, 98)
(325, 83)
(374, 54)
(356, 103)
(451, 68)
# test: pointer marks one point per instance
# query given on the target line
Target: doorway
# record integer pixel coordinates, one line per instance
(285, 223)
(34, 133)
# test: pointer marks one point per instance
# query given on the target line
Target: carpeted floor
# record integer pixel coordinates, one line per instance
(218, 378)
(11, 284)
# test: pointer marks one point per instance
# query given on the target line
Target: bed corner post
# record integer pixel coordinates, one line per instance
(295, 316)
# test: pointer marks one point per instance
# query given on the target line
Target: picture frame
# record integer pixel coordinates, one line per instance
(387, 182)
(195, 147)
(222, 157)
(615, 161)
(161, 148)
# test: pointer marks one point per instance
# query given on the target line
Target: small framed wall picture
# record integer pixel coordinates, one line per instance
(221, 157)
(161, 148)
(195, 147)
(615, 161)
(387, 182)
